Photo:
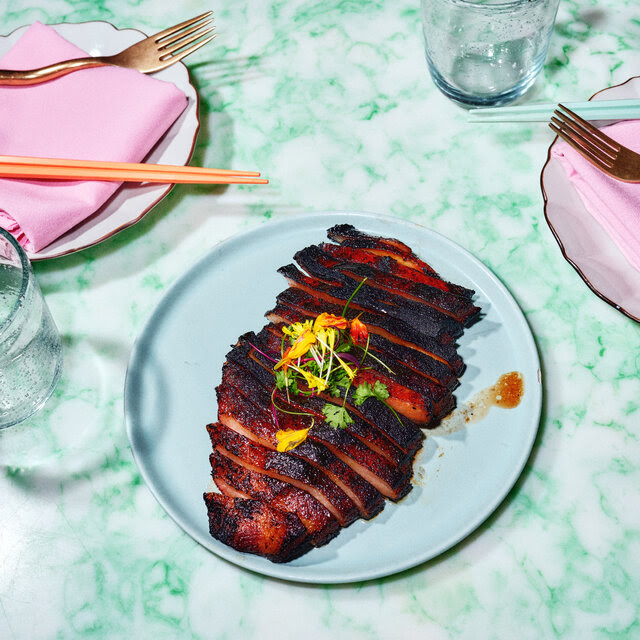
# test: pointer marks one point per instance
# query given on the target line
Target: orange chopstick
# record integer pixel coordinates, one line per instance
(65, 169)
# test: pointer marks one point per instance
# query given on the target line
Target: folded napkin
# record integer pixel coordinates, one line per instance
(106, 113)
(613, 203)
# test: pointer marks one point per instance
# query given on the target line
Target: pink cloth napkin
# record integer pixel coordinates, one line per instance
(105, 113)
(614, 204)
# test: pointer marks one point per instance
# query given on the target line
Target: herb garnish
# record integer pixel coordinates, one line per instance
(320, 358)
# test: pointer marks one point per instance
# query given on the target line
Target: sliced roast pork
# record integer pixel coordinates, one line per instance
(289, 477)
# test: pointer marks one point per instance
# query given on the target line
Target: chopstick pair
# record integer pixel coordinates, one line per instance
(63, 169)
(542, 112)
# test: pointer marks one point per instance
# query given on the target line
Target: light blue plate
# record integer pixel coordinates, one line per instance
(176, 364)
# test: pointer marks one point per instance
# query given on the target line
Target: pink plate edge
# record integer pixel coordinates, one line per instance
(129, 223)
(571, 261)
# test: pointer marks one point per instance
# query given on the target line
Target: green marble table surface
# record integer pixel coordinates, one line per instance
(332, 101)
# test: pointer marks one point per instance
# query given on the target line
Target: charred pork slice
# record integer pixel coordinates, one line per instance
(383, 358)
(245, 357)
(242, 357)
(393, 354)
(297, 303)
(364, 475)
(398, 450)
(348, 235)
(416, 400)
(229, 490)
(429, 357)
(409, 367)
(252, 526)
(322, 265)
(238, 412)
(287, 468)
(406, 436)
(389, 266)
(233, 479)
(370, 436)
(425, 320)
(419, 399)
(360, 472)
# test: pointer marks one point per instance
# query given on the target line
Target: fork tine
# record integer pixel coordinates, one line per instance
(587, 126)
(187, 23)
(183, 43)
(168, 40)
(605, 154)
(181, 54)
(579, 148)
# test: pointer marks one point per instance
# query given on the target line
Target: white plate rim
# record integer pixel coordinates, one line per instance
(186, 128)
(285, 571)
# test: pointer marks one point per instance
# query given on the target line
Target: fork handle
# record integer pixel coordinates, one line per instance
(35, 76)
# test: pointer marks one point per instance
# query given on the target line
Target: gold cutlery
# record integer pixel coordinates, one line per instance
(597, 147)
(151, 54)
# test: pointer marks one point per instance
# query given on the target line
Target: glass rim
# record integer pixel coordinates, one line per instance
(24, 264)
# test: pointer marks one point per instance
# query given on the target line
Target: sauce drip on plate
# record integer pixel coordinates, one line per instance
(506, 393)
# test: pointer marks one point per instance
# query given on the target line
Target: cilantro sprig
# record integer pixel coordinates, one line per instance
(338, 417)
(365, 390)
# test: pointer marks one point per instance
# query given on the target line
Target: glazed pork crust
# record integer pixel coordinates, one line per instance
(234, 478)
(252, 526)
(279, 504)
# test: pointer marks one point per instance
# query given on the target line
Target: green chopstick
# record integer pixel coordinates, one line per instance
(542, 112)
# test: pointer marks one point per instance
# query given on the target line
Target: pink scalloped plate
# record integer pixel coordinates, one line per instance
(583, 242)
(132, 201)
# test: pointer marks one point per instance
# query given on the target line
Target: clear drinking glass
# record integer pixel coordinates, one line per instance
(30, 348)
(486, 52)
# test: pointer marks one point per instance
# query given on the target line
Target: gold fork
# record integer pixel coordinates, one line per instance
(151, 54)
(597, 147)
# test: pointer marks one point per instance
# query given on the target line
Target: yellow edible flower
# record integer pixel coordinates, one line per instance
(290, 438)
(325, 320)
(302, 344)
(296, 329)
(347, 369)
(326, 338)
(313, 382)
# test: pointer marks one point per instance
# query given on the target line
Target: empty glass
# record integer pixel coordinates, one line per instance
(30, 348)
(486, 52)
